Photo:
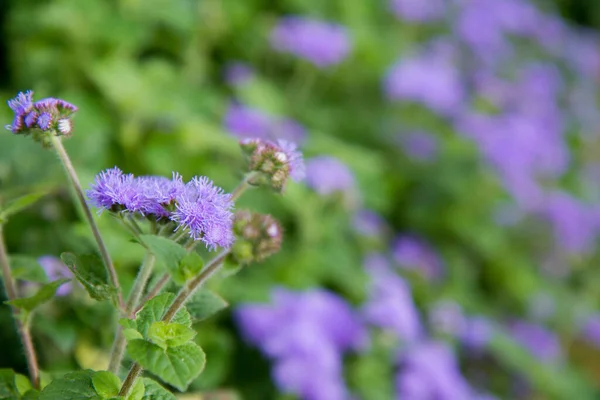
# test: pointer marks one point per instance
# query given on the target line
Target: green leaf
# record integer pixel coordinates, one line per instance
(106, 383)
(137, 391)
(23, 383)
(27, 269)
(177, 366)
(154, 310)
(20, 203)
(168, 334)
(89, 270)
(204, 303)
(187, 268)
(31, 395)
(166, 251)
(131, 334)
(44, 294)
(154, 391)
(8, 386)
(73, 386)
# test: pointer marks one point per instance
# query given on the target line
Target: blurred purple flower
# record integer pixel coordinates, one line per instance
(322, 43)
(327, 175)
(206, 211)
(376, 262)
(294, 159)
(447, 317)
(413, 254)
(419, 146)
(390, 305)
(56, 269)
(430, 371)
(539, 341)
(477, 332)
(591, 330)
(419, 10)
(369, 223)
(238, 73)
(429, 77)
(319, 326)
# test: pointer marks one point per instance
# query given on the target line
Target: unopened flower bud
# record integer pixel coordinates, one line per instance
(258, 236)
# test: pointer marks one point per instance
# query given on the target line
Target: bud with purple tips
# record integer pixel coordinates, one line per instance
(258, 237)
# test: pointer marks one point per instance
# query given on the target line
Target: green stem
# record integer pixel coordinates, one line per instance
(22, 327)
(118, 349)
(242, 187)
(154, 291)
(182, 297)
(70, 170)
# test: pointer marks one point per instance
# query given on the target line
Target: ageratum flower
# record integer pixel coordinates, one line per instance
(413, 254)
(322, 43)
(206, 212)
(539, 341)
(47, 115)
(273, 162)
(158, 194)
(327, 175)
(258, 236)
(115, 191)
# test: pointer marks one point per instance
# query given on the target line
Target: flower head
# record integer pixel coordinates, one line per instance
(327, 175)
(258, 236)
(205, 210)
(158, 194)
(115, 191)
(322, 43)
(22, 103)
(47, 115)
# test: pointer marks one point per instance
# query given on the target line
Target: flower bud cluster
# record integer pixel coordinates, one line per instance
(258, 236)
(273, 162)
(46, 115)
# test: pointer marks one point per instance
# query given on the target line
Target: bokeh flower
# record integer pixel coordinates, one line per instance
(56, 269)
(327, 175)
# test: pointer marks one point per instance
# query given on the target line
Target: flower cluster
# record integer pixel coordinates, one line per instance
(46, 115)
(306, 335)
(258, 236)
(198, 207)
(273, 162)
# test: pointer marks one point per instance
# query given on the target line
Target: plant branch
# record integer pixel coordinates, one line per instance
(70, 170)
(182, 297)
(22, 326)
(242, 187)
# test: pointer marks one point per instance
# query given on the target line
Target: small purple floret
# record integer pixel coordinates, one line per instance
(44, 120)
(22, 103)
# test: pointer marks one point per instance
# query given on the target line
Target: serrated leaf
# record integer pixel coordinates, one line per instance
(187, 268)
(131, 334)
(167, 334)
(177, 366)
(8, 386)
(204, 303)
(89, 270)
(137, 391)
(73, 386)
(127, 323)
(27, 269)
(106, 383)
(154, 310)
(167, 252)
(19, 204)
(154, 391)
(44, 294)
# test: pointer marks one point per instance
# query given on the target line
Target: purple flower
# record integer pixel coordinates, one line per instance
(419, 146)
(430, 78)
(539, 341)
(419, 10)
(44, 121)
(477, 332)
(447, 317)
(294, 159)
(114, 190)
(390, 305)
(369, 223)
(319, 326)
(327, 175)
(206, 211)
(158, 193)
(322, 43)
(47, 114)
(413, 254)
(430, 371)
(238, 73)
(22, 103)
(289, 130)
(56, 269)
(591, 330)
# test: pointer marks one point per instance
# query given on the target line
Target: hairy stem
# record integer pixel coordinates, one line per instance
(22, 327)
(182, 297)
(242, 187)
(154, 291)
(70, 170)
(119, 344)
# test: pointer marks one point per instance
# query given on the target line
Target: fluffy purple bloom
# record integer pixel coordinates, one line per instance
(53, 105)
(430, 371)
(206, 211)
(413, 254)
(390, 305)
(22, 103)
(113, 189)
(238, 73)
(419, 146)
(322, 43)
(319, 326)
(430, 78)
(158, 192)
(31, 118)
(294, 159)
(44, 121)
(539, 341)
(56, 269)
(419, 10)
(327, 175)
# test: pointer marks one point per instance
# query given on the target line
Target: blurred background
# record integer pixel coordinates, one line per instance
(444, 244)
